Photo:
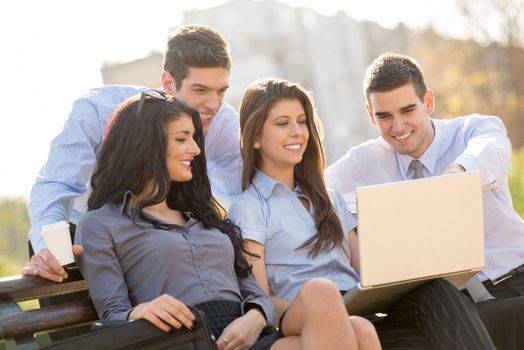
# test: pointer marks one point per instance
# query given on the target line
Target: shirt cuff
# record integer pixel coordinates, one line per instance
(266, 306)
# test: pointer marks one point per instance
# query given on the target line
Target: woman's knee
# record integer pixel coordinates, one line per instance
(364, 330)
(319, 293)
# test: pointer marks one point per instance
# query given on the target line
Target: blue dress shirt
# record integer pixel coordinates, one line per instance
(271, 214)
(477, 143)
(62, 185)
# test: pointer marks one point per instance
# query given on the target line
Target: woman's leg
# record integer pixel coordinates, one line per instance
(366, 334)
(318, 316)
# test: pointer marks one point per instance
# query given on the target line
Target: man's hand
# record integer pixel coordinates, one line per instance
(45, 265)
(454, 169)
(243, 332)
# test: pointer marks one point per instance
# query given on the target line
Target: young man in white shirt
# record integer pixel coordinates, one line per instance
(399, 104)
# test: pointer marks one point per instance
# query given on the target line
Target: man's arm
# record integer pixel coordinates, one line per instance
(488, 149)
(224, 162)
(63, 178)
(344, 176)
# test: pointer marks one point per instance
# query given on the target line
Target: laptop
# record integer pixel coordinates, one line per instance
(412, 232)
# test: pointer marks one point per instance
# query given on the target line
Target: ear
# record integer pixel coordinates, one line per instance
(168, 83)
(370, 114)
(256, 143)
(429, 101)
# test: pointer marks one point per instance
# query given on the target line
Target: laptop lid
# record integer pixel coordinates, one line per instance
(418, 228)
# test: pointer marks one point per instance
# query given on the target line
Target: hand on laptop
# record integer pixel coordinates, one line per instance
(454, 168)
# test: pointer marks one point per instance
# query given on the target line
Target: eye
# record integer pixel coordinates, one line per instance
(302, 121)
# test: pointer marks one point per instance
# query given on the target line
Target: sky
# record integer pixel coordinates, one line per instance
(52, 52)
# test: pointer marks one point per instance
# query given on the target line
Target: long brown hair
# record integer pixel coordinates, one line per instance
(256, 103)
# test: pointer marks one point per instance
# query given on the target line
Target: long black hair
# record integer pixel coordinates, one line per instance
(133, 155)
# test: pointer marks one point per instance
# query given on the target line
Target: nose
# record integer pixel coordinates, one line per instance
(194, 149)
(397, 124)
(214, 101)
(296, 128)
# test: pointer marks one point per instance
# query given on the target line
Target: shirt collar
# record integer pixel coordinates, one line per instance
(125, 208)
(265, 184)
(429, 157)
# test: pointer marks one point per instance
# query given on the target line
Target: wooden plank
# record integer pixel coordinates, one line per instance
(19, 288)
(47, 318)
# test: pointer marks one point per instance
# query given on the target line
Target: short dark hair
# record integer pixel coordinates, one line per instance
(390, 71)
(195, 45)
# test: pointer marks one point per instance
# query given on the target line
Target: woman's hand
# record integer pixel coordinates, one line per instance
(164, 312)
(243, 332)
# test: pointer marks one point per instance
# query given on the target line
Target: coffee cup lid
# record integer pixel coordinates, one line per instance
(56, 226)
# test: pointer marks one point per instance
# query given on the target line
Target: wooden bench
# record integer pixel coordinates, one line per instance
(67, 324)
(31, 329)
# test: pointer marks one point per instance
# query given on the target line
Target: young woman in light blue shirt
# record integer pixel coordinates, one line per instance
(306, 238)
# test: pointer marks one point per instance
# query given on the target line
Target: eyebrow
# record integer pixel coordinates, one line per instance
(402, 109)
(410, 106)
(201, 86)
(185, 132)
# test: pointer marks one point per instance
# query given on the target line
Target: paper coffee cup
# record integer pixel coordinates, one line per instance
(58, 240)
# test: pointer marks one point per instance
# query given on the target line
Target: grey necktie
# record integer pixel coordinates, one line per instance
(417, 166)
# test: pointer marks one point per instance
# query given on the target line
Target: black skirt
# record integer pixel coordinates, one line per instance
(220, 313)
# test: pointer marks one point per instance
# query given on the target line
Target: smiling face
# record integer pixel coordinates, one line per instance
(284, 137)
(181, 148)
(403, 119)
(203, 89)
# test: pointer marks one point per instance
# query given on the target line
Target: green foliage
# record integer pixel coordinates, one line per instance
(516, 181)
(14, 225)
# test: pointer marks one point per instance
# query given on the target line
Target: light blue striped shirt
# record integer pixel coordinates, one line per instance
(477, 143)
(62, 185)
(271, 214)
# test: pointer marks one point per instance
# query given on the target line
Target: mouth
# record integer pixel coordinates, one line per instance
(206, 117)
(186, 164)
(294, 147)
(403, 136)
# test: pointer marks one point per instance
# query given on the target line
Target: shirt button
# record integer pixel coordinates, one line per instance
(202, 267)
(210, 289)
(196, 244)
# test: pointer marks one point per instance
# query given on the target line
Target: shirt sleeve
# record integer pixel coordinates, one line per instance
(343, 177)
(224, 162)
(64, 177)
(100, 267)
(488, 148)
(253, 294)
(247, 214)
(347, 220)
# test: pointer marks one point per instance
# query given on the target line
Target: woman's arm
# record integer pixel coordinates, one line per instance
(353, 247)
(260, 274)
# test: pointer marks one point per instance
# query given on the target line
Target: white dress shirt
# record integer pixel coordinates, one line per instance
(477, 143)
